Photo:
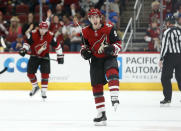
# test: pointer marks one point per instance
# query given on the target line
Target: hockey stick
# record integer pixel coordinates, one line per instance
(75, 19)
(45, 58)
(5, 69)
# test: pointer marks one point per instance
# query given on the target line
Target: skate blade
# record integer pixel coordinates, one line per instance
(102, 123)
(43, 100)
(116, 106)
(165, 105)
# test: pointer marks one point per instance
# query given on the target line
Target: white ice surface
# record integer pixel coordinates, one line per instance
(75, 110)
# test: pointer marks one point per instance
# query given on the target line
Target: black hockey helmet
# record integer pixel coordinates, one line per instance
(170, 18)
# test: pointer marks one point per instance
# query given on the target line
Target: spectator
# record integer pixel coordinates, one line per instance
(114, 5)
(113, 16)
(99, 4)
(179, 21)
(75, 10)
(66, 30)
(31, 22)
(59, 11)
(3, 6)
(3, 30)
(86, 5)
(16, 45)
(168, 7)
(152, 36)
(67, 5)
(175, 5)
(155, 14)
(14, 30)
(75, 37)
(56, 27)
(51, 3)
(176, 14)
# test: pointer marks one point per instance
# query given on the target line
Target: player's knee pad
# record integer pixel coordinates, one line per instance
(44, 75)
(113, 79)
(44, 78)
(32, 77)
(112, 74)
(97, 90)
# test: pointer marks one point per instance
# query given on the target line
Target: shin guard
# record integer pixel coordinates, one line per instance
(44, 80)
(112, 75)
(99, 98)
(33, 79)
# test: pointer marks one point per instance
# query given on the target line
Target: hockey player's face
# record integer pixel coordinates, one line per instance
(43, 31)
(95, 20)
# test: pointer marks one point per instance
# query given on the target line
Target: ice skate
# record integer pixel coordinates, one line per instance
(165, 103)
(34, 90)
(43, 93)
(101, 119)
(115, 102)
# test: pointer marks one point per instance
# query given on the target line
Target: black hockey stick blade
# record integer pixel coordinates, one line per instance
(3, 70)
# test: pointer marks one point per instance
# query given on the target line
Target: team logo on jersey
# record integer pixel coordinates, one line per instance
(99, 41)
(41, 47)
(102, 45)
(99, 44)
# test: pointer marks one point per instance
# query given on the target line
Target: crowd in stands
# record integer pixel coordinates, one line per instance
(20, 16)
(153, 34)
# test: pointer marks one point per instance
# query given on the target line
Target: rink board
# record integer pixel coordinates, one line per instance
(137, 71)
(84, 86)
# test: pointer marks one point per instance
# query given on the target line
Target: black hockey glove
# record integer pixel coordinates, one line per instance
(109, 50)
(86, 53)
(22, 51)
(60, 59)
